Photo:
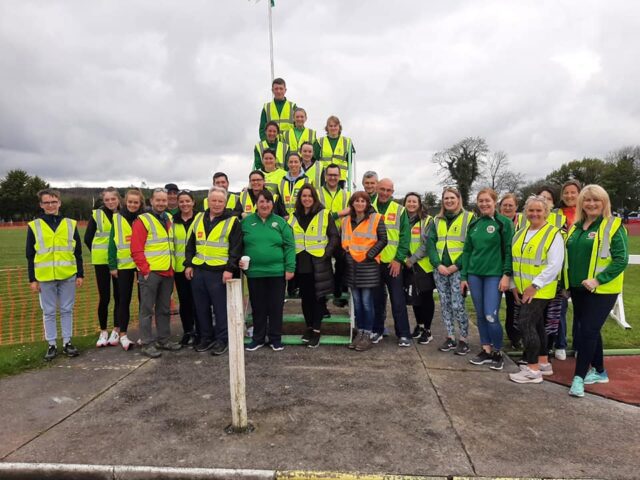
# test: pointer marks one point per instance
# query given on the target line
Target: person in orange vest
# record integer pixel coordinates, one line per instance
(364, 236)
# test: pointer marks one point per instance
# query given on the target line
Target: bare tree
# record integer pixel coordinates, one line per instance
(500, 177)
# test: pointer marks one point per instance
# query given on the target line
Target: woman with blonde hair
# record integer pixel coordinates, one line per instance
(444, 246)
(597, 255)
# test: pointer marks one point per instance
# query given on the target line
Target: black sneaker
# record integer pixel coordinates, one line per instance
(448, 345)
(204, 346)
(70, 351)
(187, 339)
(253, 346)
(482, 358)
(219, 348)
(462, 348)
(52, 352)
(425, 337)
(307, 335)
(497, 361)
(340, 302)
(314, 341)
(417, 331)
(276, 346)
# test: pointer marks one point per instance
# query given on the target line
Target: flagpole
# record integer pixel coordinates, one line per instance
(269, 6)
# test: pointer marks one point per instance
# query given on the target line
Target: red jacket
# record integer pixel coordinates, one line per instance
(138, 240)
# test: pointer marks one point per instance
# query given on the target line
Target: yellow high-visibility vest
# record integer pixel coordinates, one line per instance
(290, 193)
(315, 174)
(100, 242)
(453, 237)
(335, 202)
(601, 255)
(392, 222)
(282, 150)
(212, 250)
(314, 238)
(54, 259)
(122, 237)
(531, 259)
(416, 233)
(232, 200)
(557, 219)
(158, 248)
(339, 156)
(272, 180)
(284, 119)
(179, 246)
(289, 137)
(247, 203)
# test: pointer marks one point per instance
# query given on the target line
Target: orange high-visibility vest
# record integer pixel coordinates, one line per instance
(359, 241)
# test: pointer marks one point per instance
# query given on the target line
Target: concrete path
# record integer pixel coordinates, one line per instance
(402, 411)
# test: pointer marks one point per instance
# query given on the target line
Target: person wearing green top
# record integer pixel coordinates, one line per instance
(392, 279)
(444, 248)
(486, 271)
(271, 142)
(597, 255)
(283, 114)
(269, 243)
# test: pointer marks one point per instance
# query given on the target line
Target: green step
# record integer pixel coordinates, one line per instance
(324, 340)
(299, 318)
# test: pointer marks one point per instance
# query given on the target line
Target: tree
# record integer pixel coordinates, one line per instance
(531, 188)
(430, 202)
(621, 180)
(500, 177)
(462, 164)
(18, 195)
(586, 171)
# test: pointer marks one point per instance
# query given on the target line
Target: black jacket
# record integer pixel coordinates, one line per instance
(90, 232)
(366, 274)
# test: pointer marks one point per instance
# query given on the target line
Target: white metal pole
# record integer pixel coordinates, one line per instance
(271, 38)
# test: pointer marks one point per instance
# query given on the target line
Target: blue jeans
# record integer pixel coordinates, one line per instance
(486, 300)
(363, 306)
(210, 295)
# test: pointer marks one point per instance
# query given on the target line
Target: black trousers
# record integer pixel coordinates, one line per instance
(513, 333)
(424, 311)
(185, 297)
(590, 311)
(266, 295)
(125, 291)
(531, 320)
(104, 281)
(339, 271)
(312, 307)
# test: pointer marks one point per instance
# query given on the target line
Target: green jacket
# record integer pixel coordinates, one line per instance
(487, 248)
(579, 247)
(270, 245)
(405, 231)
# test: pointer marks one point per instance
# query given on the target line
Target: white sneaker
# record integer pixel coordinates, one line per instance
(114, 338)
(102, 339)
(526, 375)
(560, 354)
(125, 342)
(546, 369)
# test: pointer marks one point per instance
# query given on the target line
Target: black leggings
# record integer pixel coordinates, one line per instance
(531, 320)
(185, 297)
(424, 311)
(125, 289)
(513, 333)
(312, 307)
(266, 295)
(104, 280)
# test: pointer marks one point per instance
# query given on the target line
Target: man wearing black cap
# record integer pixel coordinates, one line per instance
(172, 197)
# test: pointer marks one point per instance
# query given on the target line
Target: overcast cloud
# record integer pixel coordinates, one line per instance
(114, 92)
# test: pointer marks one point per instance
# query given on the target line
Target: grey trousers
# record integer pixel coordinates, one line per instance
(155, 297)
(52, 294)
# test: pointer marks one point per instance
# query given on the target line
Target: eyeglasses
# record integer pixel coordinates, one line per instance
(185, 191)
(159, 190)
(52, 202)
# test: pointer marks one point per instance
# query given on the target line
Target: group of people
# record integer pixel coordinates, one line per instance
(296, 223)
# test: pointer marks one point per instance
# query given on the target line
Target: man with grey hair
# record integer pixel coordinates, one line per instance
(370, 183)
(212, 253)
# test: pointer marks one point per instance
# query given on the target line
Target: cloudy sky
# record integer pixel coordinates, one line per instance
(114, 92)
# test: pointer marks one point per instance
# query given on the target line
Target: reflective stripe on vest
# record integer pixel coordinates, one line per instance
(557, 219)
(158, 248)
(272, 180)
(314, 175)
(339, 156)
(392, 221)
(529, 260)
(100, 242)
(290, 195)
(179, 246)
(453, 238)
(232, 200)
(334, 203)
(122, 237)
(359, 241)
(282, 149)
(284, 119)
(601, 254)
(314, 238)
(212, 250)
(289, 137)
(54, 259)
(416, 240)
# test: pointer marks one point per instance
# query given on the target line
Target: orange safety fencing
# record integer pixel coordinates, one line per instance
(21, 316)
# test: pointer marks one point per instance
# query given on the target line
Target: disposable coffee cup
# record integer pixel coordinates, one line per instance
(245, 260)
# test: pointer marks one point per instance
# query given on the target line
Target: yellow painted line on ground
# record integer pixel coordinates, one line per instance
(308, 475)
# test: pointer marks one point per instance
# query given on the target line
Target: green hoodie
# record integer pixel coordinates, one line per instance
(270, 245)
(487, 248)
